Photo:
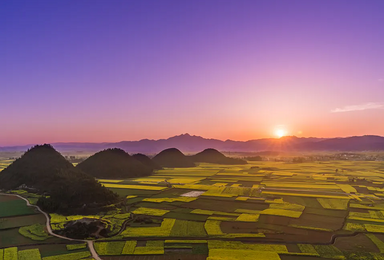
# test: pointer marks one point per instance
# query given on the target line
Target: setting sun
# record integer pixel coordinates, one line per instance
(280, 133)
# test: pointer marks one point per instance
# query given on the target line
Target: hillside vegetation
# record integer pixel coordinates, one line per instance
(44, 170)
(213, 156)
(146, 161)
(114, 163)
(173, 158)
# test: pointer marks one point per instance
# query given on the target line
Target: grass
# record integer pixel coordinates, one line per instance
(111, 181)
(334, 203)
(210, 212)
(329, 251)
(308, 249)
(163, 231)
(377, 242)
(10, 253)
(347, 188)
(222, 218)
(71, 256)
(193, 187)
(34, 232)
(287, 206)
(354, 227)
(248, 217)
(152, 248)
(150, 211)
(29, 254)
(281, 212)
(136, 187)
(185, 241)
(248, 211)
(221, 244)
(179, 199)
(213, 227)
(230, 254)
(15, 207)
(129, 247)
(122, 216)
(109, 248)
(304, 195)
(219, 249)
(185, 228)
(76, 246)
(16, 222)
(311, 228)
(58, 221)
(303, 186)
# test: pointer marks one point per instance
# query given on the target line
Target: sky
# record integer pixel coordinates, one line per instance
(105, 71)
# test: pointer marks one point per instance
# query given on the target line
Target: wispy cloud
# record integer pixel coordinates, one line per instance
(360, 107)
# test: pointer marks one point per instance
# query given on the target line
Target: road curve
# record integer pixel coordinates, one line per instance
(49, 229)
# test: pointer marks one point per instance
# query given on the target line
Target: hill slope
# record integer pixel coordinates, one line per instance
(47, 171)
(115, 164)
(213, 156)
(146, 161)
(173, 158)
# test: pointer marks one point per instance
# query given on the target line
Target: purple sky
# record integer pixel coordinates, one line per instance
(125, 70)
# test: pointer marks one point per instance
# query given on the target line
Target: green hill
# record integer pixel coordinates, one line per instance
(213, 156)
(114, 164)
(173, 158)
(146, 161)
(46, 171)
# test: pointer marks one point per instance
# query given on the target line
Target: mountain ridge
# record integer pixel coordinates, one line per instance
(193, 143)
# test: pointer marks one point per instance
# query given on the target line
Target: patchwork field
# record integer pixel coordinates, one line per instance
(23, 235)
(262, 210)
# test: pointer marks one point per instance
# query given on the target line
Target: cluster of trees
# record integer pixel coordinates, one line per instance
(174, 158)
(213, 156)
(65, 189)
(82, 230)
(116, 164)
(253, 158)
(298, 159)
(69, 190)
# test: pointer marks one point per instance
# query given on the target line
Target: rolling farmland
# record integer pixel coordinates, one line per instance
(262, 210)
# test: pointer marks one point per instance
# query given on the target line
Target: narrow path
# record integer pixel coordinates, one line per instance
(49, 229)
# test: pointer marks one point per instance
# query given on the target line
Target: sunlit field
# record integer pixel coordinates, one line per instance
(262, 210)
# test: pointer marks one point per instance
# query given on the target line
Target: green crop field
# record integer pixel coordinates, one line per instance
(23, 235)
(14, 207)
(263, 210)
(280, 202)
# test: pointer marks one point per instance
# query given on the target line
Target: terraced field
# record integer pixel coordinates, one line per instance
(263, 210)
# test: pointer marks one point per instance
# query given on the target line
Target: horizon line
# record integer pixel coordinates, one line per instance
(208, 138)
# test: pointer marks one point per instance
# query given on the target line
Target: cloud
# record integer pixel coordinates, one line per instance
(361, 107)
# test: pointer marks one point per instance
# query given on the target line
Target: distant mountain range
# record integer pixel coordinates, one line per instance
(191, 143)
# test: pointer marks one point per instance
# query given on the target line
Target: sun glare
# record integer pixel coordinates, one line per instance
(280, 133)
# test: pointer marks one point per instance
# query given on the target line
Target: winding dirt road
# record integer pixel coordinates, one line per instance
(49, 229)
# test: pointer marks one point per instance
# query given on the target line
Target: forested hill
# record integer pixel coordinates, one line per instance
(213, 156)
(114, 164)
(46, 171)
(173, 158)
